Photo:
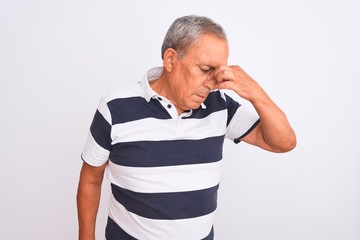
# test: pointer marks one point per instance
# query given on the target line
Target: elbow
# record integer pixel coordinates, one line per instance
(288, 144)
(283, 144)
(280, 141)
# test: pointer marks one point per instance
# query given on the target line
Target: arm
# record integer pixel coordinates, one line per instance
(274, 132)
(88, 198)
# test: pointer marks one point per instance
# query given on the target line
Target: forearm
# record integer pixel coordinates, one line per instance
(88, 198)
(276, 129)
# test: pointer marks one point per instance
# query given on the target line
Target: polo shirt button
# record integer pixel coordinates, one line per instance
(169, 105)
(159, 98)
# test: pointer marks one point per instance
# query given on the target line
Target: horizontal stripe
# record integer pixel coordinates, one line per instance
(151, 129)
(210, 236)
(214, 103)
(135, 108)
(115, 232)
(165, 179)
(241, 122)
(167, 153)
(145, 228)
(232, 106)
(131, 90)
(93, 153)
(104, 110)
(168, 206)
(237, 140)
(100, 130)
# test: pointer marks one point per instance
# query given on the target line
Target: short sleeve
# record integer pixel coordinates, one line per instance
(241, 120)
(97, 147)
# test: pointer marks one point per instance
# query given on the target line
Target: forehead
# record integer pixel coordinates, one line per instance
(210, 50)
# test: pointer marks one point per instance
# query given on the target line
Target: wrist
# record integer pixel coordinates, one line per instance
(259, 97)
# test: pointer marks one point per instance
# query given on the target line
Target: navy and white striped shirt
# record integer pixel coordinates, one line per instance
(164, 168)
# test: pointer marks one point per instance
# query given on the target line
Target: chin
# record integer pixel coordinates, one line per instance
(195, 106)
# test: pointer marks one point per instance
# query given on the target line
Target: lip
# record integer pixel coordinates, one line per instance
(202, 96)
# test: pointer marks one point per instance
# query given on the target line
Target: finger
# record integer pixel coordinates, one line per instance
(224, 75)
(225, 85)
(219, 70)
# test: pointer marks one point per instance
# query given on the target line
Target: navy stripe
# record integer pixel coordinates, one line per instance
(237, 140)
(210, 236)
(214, 103)
(232, 106)
(100, 130)
(167, 153)
(135, 108)
(168, 206)
(114, 232)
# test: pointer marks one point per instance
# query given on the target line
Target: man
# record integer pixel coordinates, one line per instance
(161, 140)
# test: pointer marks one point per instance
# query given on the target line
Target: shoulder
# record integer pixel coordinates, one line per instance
(129, 91)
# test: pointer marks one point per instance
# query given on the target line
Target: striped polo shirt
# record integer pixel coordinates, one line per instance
(164, 168)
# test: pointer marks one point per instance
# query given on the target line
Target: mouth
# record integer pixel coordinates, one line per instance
(202, 96)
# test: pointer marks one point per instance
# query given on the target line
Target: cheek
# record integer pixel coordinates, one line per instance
(194, 86)
(196, 80)
(192, 82)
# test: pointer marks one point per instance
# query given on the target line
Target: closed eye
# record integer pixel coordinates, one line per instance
(207, 69)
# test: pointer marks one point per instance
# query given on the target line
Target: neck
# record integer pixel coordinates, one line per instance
(162, 87)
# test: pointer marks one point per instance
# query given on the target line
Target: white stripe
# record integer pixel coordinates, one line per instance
(104, 110)
(165, 179)
(132, 90)
(241, 122)
(152, 229)
(148, 129)
(93, 153)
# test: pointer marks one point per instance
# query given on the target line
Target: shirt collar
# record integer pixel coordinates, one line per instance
(151, 75)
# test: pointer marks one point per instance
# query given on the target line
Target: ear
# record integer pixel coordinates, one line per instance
(169, 59)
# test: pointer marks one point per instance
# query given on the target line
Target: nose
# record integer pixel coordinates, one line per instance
(210, 82)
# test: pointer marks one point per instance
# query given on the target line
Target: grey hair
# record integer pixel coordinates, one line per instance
(186, 30)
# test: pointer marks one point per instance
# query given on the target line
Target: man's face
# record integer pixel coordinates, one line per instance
(190, 79)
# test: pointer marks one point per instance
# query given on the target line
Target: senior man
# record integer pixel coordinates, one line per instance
(161, 139)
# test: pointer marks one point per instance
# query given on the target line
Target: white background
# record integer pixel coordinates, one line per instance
(58, 57)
